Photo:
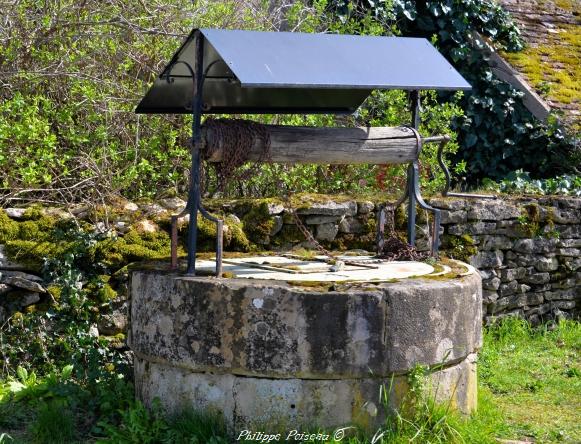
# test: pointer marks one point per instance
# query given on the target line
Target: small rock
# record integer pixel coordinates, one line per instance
(534, 299)
(278, 223)
(230, 217)
(146, 226)
(20, 274)
(121, 226)
(153, 209)
(25, 284)
(365, 207)
(56, 213)
(130, 206)
(114, 323)
(489, 243)
(79, 211)
(546, 263)
(5, 289)
(489, 296)
(93, 331)
(173, 203)
(337, 266)
(508, 288)
(537, 246)
(15, 213)
(274, 208)
(19, 299)
(100, 227)
(510, 274)
(491, 284)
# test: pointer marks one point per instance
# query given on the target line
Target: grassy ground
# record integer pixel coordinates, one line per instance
(534, 378)
(530, 389)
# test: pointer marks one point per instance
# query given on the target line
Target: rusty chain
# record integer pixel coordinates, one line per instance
(236, 138)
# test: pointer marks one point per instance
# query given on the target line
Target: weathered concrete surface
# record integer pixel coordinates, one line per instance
(267, 352)
(265, 329)
(263, 402)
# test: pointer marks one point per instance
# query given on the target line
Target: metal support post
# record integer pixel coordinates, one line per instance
(194, 192)
(411, 173)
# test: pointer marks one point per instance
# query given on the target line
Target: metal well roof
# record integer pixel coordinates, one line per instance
(283, 72)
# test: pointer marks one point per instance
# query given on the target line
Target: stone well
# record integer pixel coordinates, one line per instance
(304, 345)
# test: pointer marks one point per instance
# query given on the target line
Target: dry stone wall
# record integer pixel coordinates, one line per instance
(528, 250)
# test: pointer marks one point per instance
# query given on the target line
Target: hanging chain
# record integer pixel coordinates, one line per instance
(303, 228)
(393, 248)
(236, 137)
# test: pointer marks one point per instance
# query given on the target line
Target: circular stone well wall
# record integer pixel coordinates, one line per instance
(266, 352)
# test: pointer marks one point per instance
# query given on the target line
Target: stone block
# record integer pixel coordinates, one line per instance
(351, 225)
(569, 231)
(536, 246)
(493, 210)
(489, 243)
(567, 294)
(543, 263)
(536, 278)
(511, 274)
(25, 284)
(570, 252)
(491, 284)
(508, 288)
(365, 207)
(565, 305)
(487, 259)
(565, 215)
(565, 283)
(569, 243)
(329, 209)
(327, 232)
(453, 217)
(317, 220)
(489, 296)
(534, 298)
(473, 228)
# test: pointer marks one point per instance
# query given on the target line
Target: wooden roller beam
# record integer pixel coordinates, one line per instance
(296, 144)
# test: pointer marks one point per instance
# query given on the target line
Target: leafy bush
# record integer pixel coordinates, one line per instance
(519, 182)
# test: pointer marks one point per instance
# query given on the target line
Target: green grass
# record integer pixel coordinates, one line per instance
(534, 377)
(529, 388)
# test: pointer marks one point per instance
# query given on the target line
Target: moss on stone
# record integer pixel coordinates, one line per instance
(538, 64)
(258, 223)
(461, 247)
(8, 228)
(106, 293)
(33, 254)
